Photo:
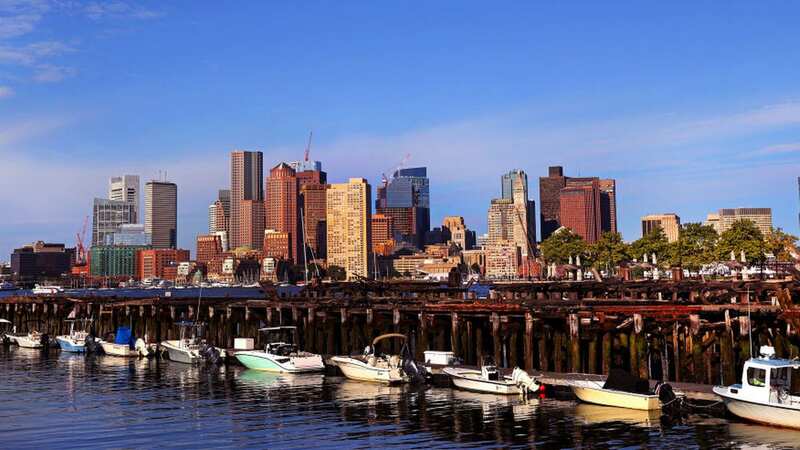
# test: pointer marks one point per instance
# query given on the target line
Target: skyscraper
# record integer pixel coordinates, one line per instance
(550, 193)
(247, 183)
(669, 223)
(580, 210)
(282, 209)
(406, 199)
(761, 217)
(125, 189)
(515, 187)
(161, 213)
(107, 216)
(349, 227)
(313, 202)
(501, 220)
(252, 224)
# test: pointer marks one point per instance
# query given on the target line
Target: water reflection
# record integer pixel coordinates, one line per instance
(149, 402)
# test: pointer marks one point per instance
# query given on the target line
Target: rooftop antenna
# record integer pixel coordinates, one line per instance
(308, 146)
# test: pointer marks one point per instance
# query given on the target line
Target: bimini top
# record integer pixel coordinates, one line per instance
(4, 321)
(285, 327)
(388, 336)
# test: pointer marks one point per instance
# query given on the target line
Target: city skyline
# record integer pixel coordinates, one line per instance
(680, 133)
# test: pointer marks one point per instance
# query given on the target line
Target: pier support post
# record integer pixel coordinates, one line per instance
(528, 344)
(310, 326)
(343, 338)
(676, 352)
(422, 338)
(607, 348)
(574, 343)
(455, 334)
(497, 340)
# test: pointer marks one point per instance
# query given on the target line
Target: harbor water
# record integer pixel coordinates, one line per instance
(59, 400)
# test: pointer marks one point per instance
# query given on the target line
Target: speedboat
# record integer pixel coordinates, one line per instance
(125, 345)
(31, 339)
(489, 380)
(765, 394)
(623, 390)
(190, 348)
(281, 356)
(380, 368)
(76, 340)
(47, 290)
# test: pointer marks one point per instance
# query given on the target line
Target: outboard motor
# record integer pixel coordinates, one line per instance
(93, 345)
(417, 373)
(210, 354)
(45, 341)
(670, 406)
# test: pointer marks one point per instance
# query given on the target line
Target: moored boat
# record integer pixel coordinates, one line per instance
(766, 393)
(47, 290)
(190, 348)
(376, 367)
(125, 345)
(280, 356)
(31, 339)
(489, 380)
(75, 341)
(623, 390)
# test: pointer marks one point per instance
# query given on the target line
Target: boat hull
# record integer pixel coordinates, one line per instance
(258, 360)
(774, 415)
(122, 350)
(69, 345)
(472, 381)
(358, 370)
(180, 355)
(25, 341)
(607, 397)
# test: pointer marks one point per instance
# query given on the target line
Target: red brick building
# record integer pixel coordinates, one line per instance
(580, 210)
(314, 203)
(209, 246)
(276, 245)
(282, 213)
(382, 234)
(550, 195)
(252, 224)
(152, 263)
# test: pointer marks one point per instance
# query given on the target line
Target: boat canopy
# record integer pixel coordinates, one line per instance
(123, 335)
(4, 321)
(388, 336)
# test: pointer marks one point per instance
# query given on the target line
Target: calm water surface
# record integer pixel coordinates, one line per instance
(71, 401)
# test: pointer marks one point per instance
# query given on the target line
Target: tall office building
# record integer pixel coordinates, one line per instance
(349, 220)
(500, 221)
(125, 189)
(247, 184)
(161, 213)
(515, 187)
(580, 210)
(282, 209)
(107, 216)
(455, 229)
(550, 194)
(762, 217)
(670, 223)
(313, 201)
(219, 212)
(252, 225)
(406, 199)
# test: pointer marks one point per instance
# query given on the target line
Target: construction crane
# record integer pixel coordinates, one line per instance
(393, 170)
(308, 146)
(80, 238)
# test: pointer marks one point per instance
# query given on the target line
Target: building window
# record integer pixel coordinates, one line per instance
(756, 377)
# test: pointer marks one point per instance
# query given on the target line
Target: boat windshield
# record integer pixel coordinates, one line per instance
(756, 376)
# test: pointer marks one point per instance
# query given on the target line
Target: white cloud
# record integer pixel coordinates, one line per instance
(6, 92)
(118, 9)
(793, 147)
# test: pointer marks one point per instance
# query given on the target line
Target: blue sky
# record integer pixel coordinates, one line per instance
(691, 106)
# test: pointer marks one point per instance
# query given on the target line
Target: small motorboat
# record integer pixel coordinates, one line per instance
(623, 390)
(190, 348)
(47, 290)
(8, 286)
(766, 393)
(77, 339)
(281, 356)
(380, 368)
(488, 380)
(31, 339)
(5, 329)
(125, 345)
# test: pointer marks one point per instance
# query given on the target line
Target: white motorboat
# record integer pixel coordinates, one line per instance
(47, 290)
(280, 356)
(125, 345)
(190, 348)
(31, 339)
(488, 380)
(766, 393)
(76, 340)
(379, 368)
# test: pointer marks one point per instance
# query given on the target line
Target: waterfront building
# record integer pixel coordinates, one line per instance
(500, 220)
(550, 200)
(712, 220)
(219, 212)
(126, 189)
(114, 260)
(108, 216)
(472, 258)
(406, 198)
(247, 184)
(41, 260)
(161, 213)
(670, 223)
(282, 208)
(151, 263)
(502, 260)
(209, 246)
(580, 210)
(761, 217)
(348, 227)
(129, 234)
(277, 244)
(251, 226)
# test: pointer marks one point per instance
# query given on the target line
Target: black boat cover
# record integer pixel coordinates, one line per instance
(621, 380)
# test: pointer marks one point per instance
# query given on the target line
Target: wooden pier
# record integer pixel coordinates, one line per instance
(682, 332)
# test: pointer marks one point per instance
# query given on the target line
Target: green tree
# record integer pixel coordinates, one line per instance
(337, 273)
(561, 245)
(781, 244)
(609, 251)
(653, 242)
(696, 246)
(743, 235)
